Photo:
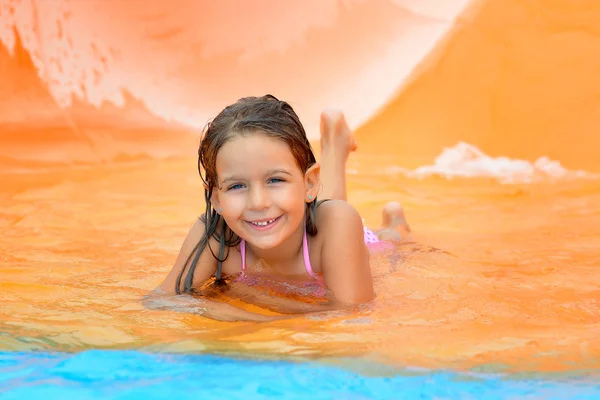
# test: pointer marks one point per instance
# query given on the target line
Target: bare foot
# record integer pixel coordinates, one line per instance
(393, 223)
(336, 135)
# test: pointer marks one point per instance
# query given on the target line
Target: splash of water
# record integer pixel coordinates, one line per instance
(467, 161)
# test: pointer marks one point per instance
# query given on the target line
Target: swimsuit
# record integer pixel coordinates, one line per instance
(305, 254)
(369, 237)
(315, 289)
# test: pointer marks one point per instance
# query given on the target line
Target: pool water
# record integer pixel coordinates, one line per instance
(498, 280)
(99, 374)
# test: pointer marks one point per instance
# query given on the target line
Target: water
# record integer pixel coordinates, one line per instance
(499, 278)
(132, 375)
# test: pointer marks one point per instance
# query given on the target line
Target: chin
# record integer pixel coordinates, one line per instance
(264, 245)
(268, 242)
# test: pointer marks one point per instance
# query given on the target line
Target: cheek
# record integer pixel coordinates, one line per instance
(286, 196)
(294, 202)
(232, 205)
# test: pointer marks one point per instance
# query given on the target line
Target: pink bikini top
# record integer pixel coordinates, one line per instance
(305, 254)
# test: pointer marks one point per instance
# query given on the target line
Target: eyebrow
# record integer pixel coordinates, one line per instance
(270, 172)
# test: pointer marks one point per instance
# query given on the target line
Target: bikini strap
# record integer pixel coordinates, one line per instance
(243, 253)
(305, 255)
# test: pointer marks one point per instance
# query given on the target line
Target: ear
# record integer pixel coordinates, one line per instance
(214, 200)
(312, 182)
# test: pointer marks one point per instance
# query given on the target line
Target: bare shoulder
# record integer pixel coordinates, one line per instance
(205, 267)
(194, 235)
(344, 255)
(334, 215)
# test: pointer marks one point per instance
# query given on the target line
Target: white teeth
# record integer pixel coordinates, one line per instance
(265, 223)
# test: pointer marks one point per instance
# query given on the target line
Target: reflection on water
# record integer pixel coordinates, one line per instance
(498, 275)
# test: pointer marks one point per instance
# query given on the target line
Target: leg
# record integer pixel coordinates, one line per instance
(336, 144)
(393, 223)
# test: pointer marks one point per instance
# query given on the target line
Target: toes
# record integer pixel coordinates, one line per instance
(333, 125)
(339, 120)
(326, 123)
(393, 216)
(353, 145)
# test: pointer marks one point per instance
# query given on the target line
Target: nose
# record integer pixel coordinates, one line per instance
(258, 199)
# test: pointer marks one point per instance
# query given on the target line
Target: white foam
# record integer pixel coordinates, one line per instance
(467, 161)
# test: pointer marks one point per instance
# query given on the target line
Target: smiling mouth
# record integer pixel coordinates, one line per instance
(264, 223)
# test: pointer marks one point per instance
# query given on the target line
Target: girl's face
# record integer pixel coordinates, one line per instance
(262, 192)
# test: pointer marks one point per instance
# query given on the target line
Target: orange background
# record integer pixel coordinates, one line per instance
(515, 78)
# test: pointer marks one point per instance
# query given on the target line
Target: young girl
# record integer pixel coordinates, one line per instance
(262, 215)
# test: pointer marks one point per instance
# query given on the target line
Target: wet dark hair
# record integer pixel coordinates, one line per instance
(270, 116)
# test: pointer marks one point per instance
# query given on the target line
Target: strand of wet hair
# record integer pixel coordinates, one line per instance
(196, 253)
(211, 222)
(210, 226)
(180, 275)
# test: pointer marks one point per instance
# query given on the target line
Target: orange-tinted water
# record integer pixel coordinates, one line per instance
(93, 210)
(513, 284)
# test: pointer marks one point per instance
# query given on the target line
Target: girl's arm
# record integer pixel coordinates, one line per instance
(280, 304)
(205, 268)
(164, 298)
(345, 256)
(160, 300)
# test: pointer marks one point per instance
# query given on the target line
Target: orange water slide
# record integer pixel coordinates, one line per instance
(95, 79)
(96, 74)
(517, 78)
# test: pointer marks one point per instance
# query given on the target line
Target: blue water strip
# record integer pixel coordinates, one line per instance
(99, 374)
